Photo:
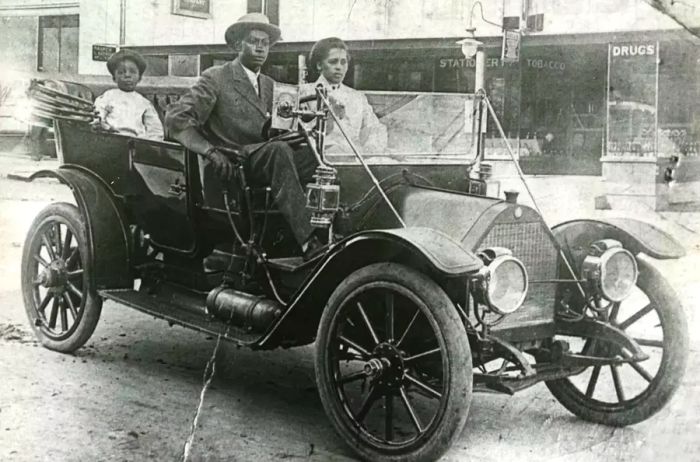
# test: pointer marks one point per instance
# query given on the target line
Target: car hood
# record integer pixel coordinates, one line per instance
(465, 218)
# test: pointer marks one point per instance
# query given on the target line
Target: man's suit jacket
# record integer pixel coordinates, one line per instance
(223, 105)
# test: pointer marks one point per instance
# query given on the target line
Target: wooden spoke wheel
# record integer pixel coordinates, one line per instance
(393, 364)
(61, 304)
(628, 393)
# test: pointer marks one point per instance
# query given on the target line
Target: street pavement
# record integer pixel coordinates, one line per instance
(131, 392)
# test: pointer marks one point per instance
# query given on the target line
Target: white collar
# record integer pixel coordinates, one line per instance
(252, 76)
(322, 80)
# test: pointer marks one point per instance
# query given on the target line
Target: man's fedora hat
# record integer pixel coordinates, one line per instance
(121, 55)
(251, 21)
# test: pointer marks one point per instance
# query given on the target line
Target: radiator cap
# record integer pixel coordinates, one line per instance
(511, 196)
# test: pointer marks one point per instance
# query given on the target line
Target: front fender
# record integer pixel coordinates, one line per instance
(426, 249)
(444, 254)
(636, 236)
(105, 223)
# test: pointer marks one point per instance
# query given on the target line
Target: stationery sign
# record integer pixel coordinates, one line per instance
(510, 50)
(193, 8)
(632, 109)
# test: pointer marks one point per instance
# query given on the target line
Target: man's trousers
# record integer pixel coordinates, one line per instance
(286, 171)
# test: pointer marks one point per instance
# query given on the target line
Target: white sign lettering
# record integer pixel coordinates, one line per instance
(633, 50)
(535, 63)
(544, 64)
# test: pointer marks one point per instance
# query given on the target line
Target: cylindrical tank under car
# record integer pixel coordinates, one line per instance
(252, 312)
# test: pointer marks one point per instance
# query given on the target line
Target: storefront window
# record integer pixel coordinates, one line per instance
(58, 44)
(184, 65)
(546, 97)
(285, 73)
(157, 65)
(562, 115)
(632, 99)
(679, 110)
(394, 74)
(457, 74)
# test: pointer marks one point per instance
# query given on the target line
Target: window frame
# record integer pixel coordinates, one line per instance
(59, 22)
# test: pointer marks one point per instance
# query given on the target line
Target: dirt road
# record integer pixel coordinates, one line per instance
(131, 392)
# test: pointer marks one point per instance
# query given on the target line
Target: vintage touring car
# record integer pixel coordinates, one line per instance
(429, 290)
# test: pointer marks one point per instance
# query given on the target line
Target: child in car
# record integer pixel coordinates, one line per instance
(122, 109)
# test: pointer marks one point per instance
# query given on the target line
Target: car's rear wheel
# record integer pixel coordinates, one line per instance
(393, 364)
(629, 393)
(61, 304)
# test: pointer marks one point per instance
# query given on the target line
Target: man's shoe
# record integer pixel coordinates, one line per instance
(314, 248)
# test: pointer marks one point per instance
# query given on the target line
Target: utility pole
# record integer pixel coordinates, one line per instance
(122, 23)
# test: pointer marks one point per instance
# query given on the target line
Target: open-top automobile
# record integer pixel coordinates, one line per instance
(427, 292)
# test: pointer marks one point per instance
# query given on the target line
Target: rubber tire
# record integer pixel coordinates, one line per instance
(458, 354)
(87, 322)
(671, 370)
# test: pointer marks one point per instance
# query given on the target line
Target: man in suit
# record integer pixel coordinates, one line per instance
(228, 106)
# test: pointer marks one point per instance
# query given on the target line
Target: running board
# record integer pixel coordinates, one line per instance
(190, 315)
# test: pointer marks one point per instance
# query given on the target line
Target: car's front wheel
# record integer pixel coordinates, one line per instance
(61, 304)
(393, 364)
(628, 393)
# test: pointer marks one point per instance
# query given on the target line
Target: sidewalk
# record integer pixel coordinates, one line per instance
(20, 167)
(559, 197)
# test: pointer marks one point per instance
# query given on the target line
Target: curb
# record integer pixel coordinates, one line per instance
(21, 168)
(18, 177)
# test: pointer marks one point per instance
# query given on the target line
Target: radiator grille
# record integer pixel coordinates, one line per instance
(531, 244)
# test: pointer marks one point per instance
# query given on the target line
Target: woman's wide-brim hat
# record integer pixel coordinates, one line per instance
(121, 55)
(248, 22)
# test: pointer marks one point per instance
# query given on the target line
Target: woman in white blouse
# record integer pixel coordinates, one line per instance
(330, 57)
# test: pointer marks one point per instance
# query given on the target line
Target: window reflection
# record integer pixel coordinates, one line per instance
(419, 126)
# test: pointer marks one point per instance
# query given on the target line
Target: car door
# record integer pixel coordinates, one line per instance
(160, 199)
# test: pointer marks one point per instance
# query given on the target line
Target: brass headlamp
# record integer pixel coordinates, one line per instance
(502, 283)
(610, 269)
